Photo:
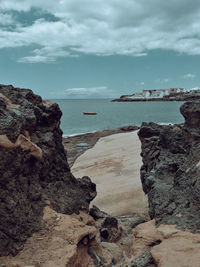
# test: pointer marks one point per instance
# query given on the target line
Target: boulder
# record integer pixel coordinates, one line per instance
(170, 173)
(164, 246)
(33, 167)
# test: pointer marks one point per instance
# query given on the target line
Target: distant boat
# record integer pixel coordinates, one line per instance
(89, 113)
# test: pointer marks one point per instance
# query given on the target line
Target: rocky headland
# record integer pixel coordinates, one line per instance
(170, 94)
(44, 209)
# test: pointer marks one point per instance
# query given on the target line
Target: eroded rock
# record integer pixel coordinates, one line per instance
(58, 244)
(170, 173)
(165, 246)
(33, 167)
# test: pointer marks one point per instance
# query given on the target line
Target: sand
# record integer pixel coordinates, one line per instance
(114, 165)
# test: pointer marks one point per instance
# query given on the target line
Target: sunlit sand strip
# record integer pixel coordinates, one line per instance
(114, 165)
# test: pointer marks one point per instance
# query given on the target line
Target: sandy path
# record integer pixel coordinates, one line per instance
(114, 164)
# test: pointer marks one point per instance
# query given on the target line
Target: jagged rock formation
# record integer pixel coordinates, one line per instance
(75, 240)
(33, 167)
(171, 169)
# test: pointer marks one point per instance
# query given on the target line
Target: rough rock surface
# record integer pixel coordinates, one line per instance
(63, 242)
(74, 240)
(165, 246)
(170, 173)
(33, 167)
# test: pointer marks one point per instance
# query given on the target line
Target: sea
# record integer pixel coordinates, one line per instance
(111, 115)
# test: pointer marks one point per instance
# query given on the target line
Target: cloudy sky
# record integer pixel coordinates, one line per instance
(99, 48)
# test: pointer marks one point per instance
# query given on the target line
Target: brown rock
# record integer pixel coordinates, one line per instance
(24, 143)
(47, 102)
(61, 244)
(181, 250)
(169, 245)
(9, 104)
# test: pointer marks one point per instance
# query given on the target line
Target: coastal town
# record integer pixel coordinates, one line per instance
(168, 94)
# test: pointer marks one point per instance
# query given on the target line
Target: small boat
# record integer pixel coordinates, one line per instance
(89, 113)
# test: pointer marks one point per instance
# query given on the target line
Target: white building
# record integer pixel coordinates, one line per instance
(156, 93)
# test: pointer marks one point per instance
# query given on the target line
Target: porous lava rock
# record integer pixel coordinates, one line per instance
(170, 173)
(33, 167)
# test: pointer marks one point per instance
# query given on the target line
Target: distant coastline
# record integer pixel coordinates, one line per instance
(169, 94)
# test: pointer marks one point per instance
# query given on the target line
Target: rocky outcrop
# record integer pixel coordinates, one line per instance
(33, 167)
(75, 240)
(164, 246)
(170, 173)
(171, 94)
(63, 242)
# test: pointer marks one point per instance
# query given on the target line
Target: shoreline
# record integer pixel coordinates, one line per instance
(147, 100)
(76, 145)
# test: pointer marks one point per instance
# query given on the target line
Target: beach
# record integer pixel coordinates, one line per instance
(114, 165)
(76, 145)
(55, 215)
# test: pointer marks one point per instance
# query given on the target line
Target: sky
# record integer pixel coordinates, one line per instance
(99, 48)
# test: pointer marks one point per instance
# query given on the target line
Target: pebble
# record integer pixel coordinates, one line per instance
(58, 218)
(40, 238)
(82, 145)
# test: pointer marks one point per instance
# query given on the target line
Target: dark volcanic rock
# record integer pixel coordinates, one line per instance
(143, 260)
(33, 167)
(96, 213)
(170, 173)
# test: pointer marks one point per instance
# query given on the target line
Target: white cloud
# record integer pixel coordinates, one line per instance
(163, 80)
(46, 55)
(104, 27)
(86, 91)
(189, 76)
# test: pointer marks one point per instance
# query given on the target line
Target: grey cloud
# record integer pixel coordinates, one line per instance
(103, 27)
(6, 19)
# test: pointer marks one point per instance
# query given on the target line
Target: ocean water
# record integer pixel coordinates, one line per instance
(111, 115)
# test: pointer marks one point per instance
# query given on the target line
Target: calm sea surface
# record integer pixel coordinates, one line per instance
(113, 114)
